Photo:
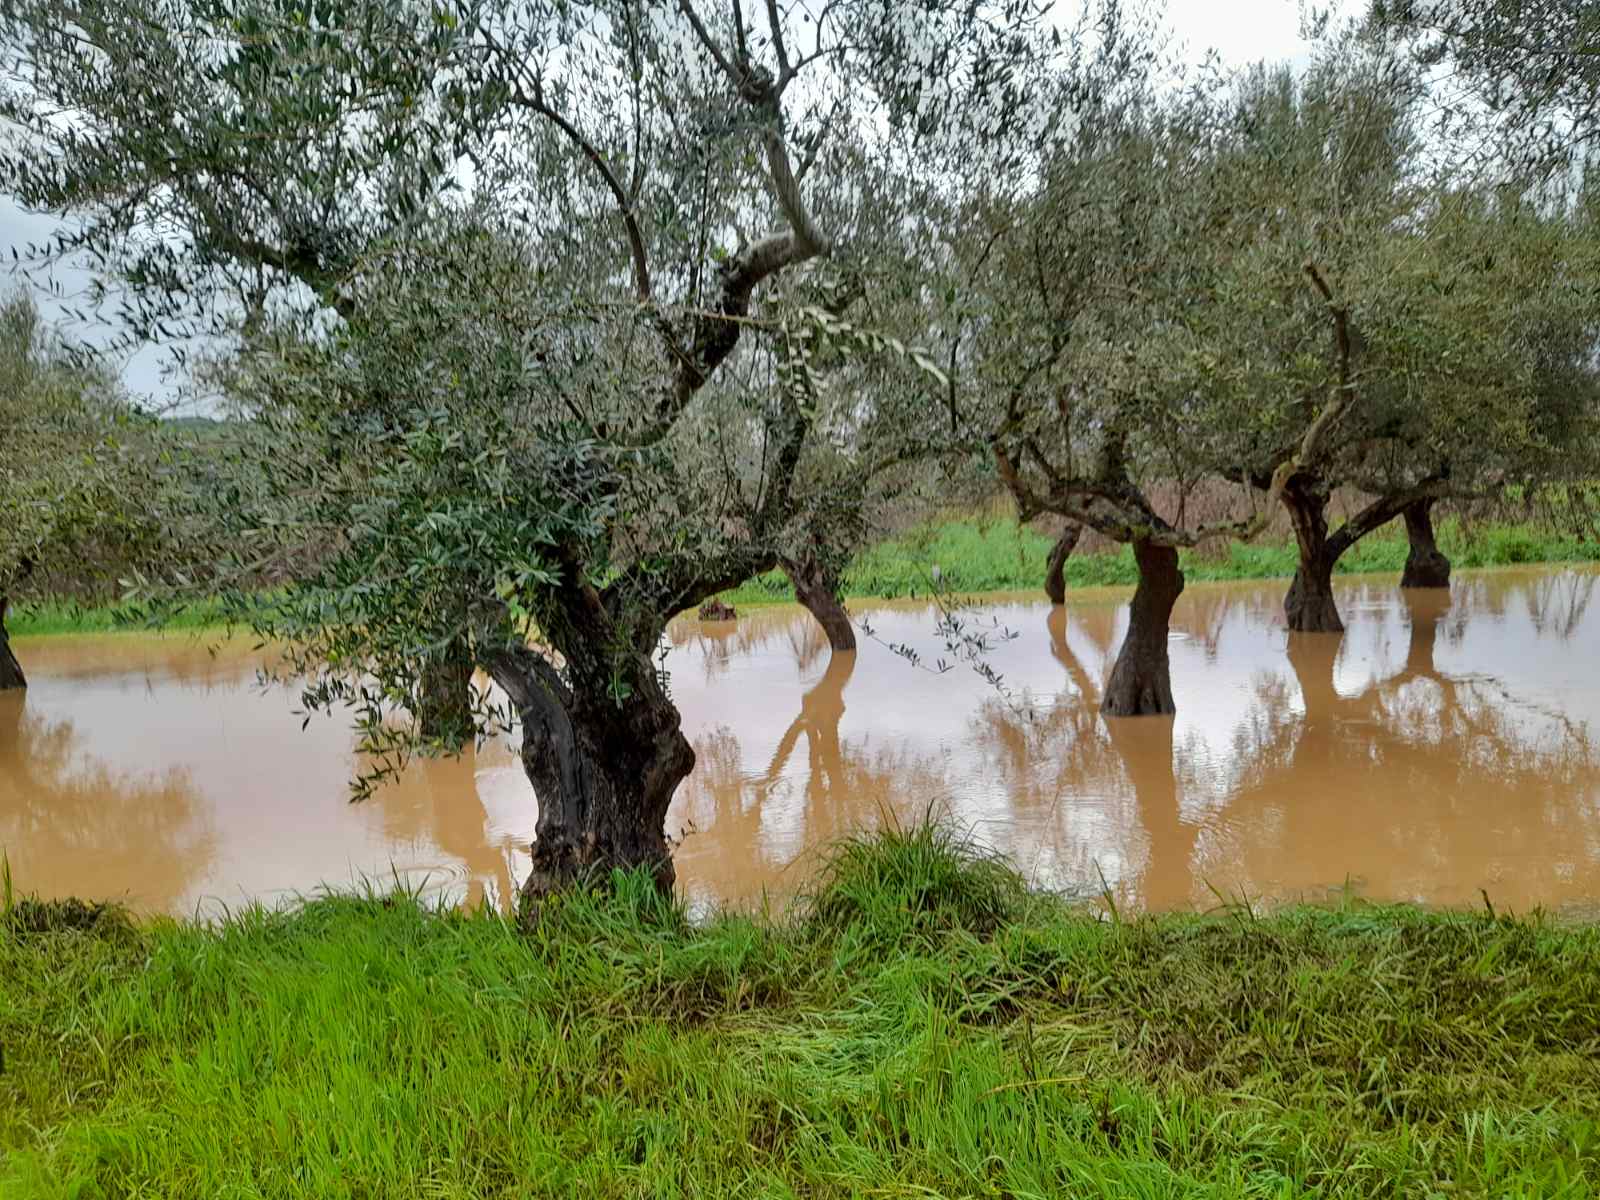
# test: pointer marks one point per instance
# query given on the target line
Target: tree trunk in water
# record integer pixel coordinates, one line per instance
(11, 675)
(1055, 582)
(819, 592)
(1309, 606)
(1426, 565)
(1141, 681)
(444, 697)
(604, 768)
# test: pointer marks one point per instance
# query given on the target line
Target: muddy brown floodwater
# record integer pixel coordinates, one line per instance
(1448, 744)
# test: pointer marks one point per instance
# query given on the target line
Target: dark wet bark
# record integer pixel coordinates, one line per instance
(604, 755)
(1309, 606)
(444, 697)
(1426, 565)
(11, 675)
(1055, 581)
(818, 590)
(1141, 681)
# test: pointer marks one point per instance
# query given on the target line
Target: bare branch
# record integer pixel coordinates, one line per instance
(641, 263)
(775, 20)
(706, 40)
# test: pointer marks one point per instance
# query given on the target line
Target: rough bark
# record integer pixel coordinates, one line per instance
(444, 698)
(1426, 564)
(818, 590)
(11, 675)
(1141, 680)
(604, 755)
(1309, 606)
(1055, 582)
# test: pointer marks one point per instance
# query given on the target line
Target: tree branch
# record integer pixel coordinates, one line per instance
(625, 206)
(775, 20)
(1304, 459)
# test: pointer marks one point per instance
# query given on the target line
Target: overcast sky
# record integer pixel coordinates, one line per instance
(1242, 31)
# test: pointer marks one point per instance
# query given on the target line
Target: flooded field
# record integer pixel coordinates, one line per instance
(1446, 746)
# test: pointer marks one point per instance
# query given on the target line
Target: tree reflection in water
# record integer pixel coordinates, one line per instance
(1445, 743)
(1419, 782)
(64, 817)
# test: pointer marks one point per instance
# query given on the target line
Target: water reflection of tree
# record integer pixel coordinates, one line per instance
(1368, 782)
(71, 826)
(758, 821)
(720, 644)
(435, 800)
(1049, 759)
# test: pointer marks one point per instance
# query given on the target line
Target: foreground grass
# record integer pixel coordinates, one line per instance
(921, 1027)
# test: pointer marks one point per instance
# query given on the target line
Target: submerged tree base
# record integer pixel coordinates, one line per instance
(11, 675)
(1309, 607)
(1426, 565)
(921, 1024)
(1141, 681)
(1055, 567)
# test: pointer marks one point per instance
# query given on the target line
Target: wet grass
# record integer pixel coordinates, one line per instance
(996, 554)
(920, 1026)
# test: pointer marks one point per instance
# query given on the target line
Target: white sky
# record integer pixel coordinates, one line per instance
(1242, 31)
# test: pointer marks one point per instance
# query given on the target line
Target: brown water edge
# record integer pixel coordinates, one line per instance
(1447, 744)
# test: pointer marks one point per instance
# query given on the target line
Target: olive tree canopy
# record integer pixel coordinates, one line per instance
(80, 475)
(519, 287)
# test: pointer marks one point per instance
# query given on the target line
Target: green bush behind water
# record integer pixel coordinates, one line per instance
(921, 1025)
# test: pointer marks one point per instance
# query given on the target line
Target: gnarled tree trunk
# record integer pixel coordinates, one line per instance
(1309, 606)
(1426, 565)
(1141, 681)
(11, 675)
(818, 590)
(604, 755)
(444, 697)
(1055, 580)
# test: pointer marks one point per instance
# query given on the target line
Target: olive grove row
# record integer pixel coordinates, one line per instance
(539, 323)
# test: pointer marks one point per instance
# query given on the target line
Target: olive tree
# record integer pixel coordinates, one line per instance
(1520, 79)
(1078, 427)
(493, 257)
(78, 474)
(1365, 320)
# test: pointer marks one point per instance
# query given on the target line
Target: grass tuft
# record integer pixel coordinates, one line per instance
(900, 885)
(29, 915)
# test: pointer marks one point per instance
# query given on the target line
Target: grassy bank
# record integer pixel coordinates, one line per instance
(921, 1027)
(977, 555)
(47, 617)
(991, 554)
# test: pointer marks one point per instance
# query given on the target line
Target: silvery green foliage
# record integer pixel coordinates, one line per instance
(1274, 277)
(1513, 79)
(537, 305)
(79, 473)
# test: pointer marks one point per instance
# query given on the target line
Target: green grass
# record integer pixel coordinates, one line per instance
(920, 1026)
(978, 555)
(48, 616)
